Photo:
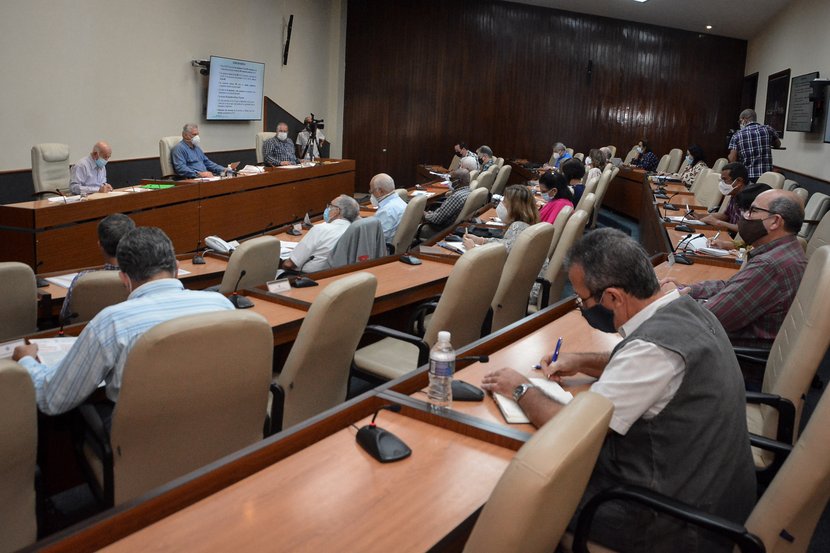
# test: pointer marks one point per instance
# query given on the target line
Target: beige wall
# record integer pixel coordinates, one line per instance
(80, 71)
(797, 39)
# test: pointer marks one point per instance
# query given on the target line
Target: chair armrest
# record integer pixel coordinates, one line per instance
(545, 295)
(423, 348)
(768, 444)
(786, 412)
(738, 534)
(277, 408)
(752, 354)
(416, 320)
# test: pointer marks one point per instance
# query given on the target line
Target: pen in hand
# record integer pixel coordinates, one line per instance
(555, 356)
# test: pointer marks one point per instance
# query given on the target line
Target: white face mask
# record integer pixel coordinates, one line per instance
(501, 211)
(639, 149)
(195, 140)
(556, 155)
(373, 200)
(282, 135)
(724, 188)
(589, 161)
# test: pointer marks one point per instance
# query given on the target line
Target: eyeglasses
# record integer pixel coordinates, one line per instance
(580, 302)
(753, 209)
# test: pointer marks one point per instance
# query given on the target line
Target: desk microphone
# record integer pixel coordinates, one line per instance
(682, 227)
(198, 259)
(64, 321)
(240, 302)
(40, 282)
(670, 207)
(307, 221)
(382, 444)
(293, 231)
(680, 257)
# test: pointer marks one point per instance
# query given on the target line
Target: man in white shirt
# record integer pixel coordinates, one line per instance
(390, 205)
(304, 136)
(89, 175)
(313, 251)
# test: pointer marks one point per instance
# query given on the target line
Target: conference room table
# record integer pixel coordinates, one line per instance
(52, 235)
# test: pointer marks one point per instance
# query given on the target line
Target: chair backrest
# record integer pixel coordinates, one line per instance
(194, 389)
(467, 295)
(259, 257)
(708, 194)
(817, 206)
(590, 188)
(315, 376)
(456, 161)
(18, 457)
(663, 165)
(474, 174)
(801, 342)
(18, 300)
(362, 241)
(820, 237)
(719, 164)
(501, 180)
(475, 201)
(632, 153)
(523, 264)
(559, 226)
(405, 233)
(675, 157)
(613, 150)
(261, 137)
(785, 516)
(790, 184)
(773, 179)
(94, 291)
(166, 145)
(587, 203)
(580, 156)
(802, 193)
(50, 166)
(403, 194)
(700, 177)
(570, 151)
(539, 491)
(555, 271)
(500, 162)
(602, 188)
(487, 179)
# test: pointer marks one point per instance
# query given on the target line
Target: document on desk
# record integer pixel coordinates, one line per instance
(51, 351)
(182, 272)
(422, 193)
(457, 247)
(287, 166)
(64, 281)
(7, 348)
(251, 170)
(63, 199)
(685, 220)
(512, 412)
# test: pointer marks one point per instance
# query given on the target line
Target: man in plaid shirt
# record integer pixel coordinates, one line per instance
(445, 215)
(753, 304)
(753, 145)
(278, 150)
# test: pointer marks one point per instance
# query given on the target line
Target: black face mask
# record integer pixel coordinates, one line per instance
(751, 230)
(600, 317)
(481, 160)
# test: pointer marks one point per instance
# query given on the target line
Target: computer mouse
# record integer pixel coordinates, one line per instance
(464, 391)
(382, 444)
(303, 282)
(410, 260)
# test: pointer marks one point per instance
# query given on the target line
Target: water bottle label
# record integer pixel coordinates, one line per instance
(442, 368)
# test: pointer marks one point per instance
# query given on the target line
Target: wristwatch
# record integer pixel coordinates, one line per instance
(521, 390)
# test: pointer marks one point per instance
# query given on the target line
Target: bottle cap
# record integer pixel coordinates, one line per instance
(444, 336)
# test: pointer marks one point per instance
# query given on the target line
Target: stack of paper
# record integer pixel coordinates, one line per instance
(62, 280)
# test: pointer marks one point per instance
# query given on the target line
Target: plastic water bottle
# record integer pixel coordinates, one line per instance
(441, 367)
(741, 256)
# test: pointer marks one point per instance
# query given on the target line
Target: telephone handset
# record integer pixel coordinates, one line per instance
(220, 246)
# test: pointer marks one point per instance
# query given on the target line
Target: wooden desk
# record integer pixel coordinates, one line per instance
(54, 236)
(624, 194)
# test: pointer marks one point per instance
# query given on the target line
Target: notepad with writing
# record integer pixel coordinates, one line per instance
(513, 413)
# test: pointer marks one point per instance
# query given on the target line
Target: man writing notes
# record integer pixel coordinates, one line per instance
(148, 269)
(753, 144)
(189, 161)
(312, 253)
(89, 175)
(390, 206)
(679, 423)
(278, 150)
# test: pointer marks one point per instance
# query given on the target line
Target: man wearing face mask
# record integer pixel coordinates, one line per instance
(485, 158)
(734, 183)
(679, 422)
(560, 155)
(148, 268)
(278, 150)
(189, 161)
(89, 175)
(312, 253)
(445, 215)
(390, 206)
(461, 150)
(752, 304)
(753, 144)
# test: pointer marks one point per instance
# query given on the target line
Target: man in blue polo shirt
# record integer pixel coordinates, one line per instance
(189, 160)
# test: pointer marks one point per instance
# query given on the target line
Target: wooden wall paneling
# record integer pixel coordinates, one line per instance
(422, 75)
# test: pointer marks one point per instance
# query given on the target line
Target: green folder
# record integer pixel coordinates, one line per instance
(157, 186)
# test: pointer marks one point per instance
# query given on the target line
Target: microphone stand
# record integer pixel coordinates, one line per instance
(240, 302)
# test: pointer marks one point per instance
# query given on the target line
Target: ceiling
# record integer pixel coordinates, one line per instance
(731, 18)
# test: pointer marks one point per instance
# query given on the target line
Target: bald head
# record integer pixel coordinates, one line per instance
(469, 163)
(102, 150)
(381, 185)
(785, 203)
(781, 213)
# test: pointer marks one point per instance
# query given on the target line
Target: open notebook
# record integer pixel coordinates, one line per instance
(513, 414)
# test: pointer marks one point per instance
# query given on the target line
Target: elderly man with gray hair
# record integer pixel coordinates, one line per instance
(485, 157)
(560, 155)
(390, 206)
(89, 175)
(752, 145)
(189, 161)
(312, 253)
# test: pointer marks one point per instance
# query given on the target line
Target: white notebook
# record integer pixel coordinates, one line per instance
(513, 413)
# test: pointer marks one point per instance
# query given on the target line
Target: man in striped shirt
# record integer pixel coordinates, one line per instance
(148, 269)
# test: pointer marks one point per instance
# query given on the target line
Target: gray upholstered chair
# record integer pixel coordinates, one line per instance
(94, 291)
(194, 389)
(501, 180)
(553, 281)
(602, 188)
(486, 179)
(539, 491)
(18, 457)
(559, 226)
(587, 203)
(18, 300)
(790, 184)
(707, 193)
(315, 377)
(719, 164)
(261, 137)
(461, 311)
(166, 145)
(259, 257)
(523, 264)
(817, 206)
(454, 163)
(362, 241)
(632, 153)
(408, 227)
(50, 167)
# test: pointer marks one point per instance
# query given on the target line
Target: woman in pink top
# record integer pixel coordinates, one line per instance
(556, 192)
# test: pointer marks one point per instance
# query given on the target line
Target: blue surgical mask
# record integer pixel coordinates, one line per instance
(690, 160)
(326, 213)
(100, 162)
(546, 196)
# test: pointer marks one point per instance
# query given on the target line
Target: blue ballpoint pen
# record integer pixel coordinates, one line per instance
(555, 354)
